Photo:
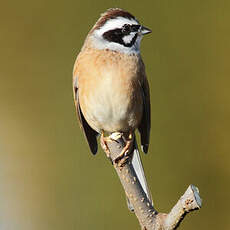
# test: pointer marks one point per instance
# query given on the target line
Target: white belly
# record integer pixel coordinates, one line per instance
(112, 107)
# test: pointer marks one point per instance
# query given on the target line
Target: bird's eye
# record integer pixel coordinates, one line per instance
(126, 29)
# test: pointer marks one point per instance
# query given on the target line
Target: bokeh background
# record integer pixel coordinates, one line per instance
(48, 178)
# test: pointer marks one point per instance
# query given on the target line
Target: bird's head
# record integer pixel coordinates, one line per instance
(118, 30)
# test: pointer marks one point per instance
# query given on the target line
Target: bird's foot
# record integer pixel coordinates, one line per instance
(104, 145)
(113, 137)
(123, 156)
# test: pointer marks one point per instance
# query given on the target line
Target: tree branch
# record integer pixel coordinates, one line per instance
(147, 215)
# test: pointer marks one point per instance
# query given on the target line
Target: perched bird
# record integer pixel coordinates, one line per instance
(110, 86)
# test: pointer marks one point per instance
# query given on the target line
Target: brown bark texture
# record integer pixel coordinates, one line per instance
(146, 214)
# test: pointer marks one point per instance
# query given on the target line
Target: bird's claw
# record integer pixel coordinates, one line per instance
(123, 156)
(104, 144)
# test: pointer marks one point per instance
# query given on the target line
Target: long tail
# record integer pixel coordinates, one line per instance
(138, 167)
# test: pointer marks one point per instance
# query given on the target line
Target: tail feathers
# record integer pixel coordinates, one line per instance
(138, 167)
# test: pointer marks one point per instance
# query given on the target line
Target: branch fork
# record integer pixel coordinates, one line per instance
(145, 212)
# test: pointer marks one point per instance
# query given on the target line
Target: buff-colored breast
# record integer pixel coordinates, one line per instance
(110, 92)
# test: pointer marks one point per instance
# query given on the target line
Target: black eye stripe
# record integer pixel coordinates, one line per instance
(117, 35)
(127, 28)
(114, 36)
(135, 28)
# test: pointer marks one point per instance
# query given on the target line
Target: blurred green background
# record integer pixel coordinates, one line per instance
(48, 178)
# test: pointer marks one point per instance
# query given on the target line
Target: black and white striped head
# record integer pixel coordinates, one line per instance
(118, 30)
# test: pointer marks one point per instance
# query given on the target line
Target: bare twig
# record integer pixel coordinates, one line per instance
(148, 217)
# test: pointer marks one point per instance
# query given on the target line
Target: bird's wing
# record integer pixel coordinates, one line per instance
(145, 124)
(90, 134)
(138, 167)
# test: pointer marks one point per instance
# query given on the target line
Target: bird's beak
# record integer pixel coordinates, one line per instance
(145, 30)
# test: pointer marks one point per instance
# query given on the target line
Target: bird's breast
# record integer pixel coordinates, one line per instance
(110, 93)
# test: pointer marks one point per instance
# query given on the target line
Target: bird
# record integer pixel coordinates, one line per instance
(110, 86)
